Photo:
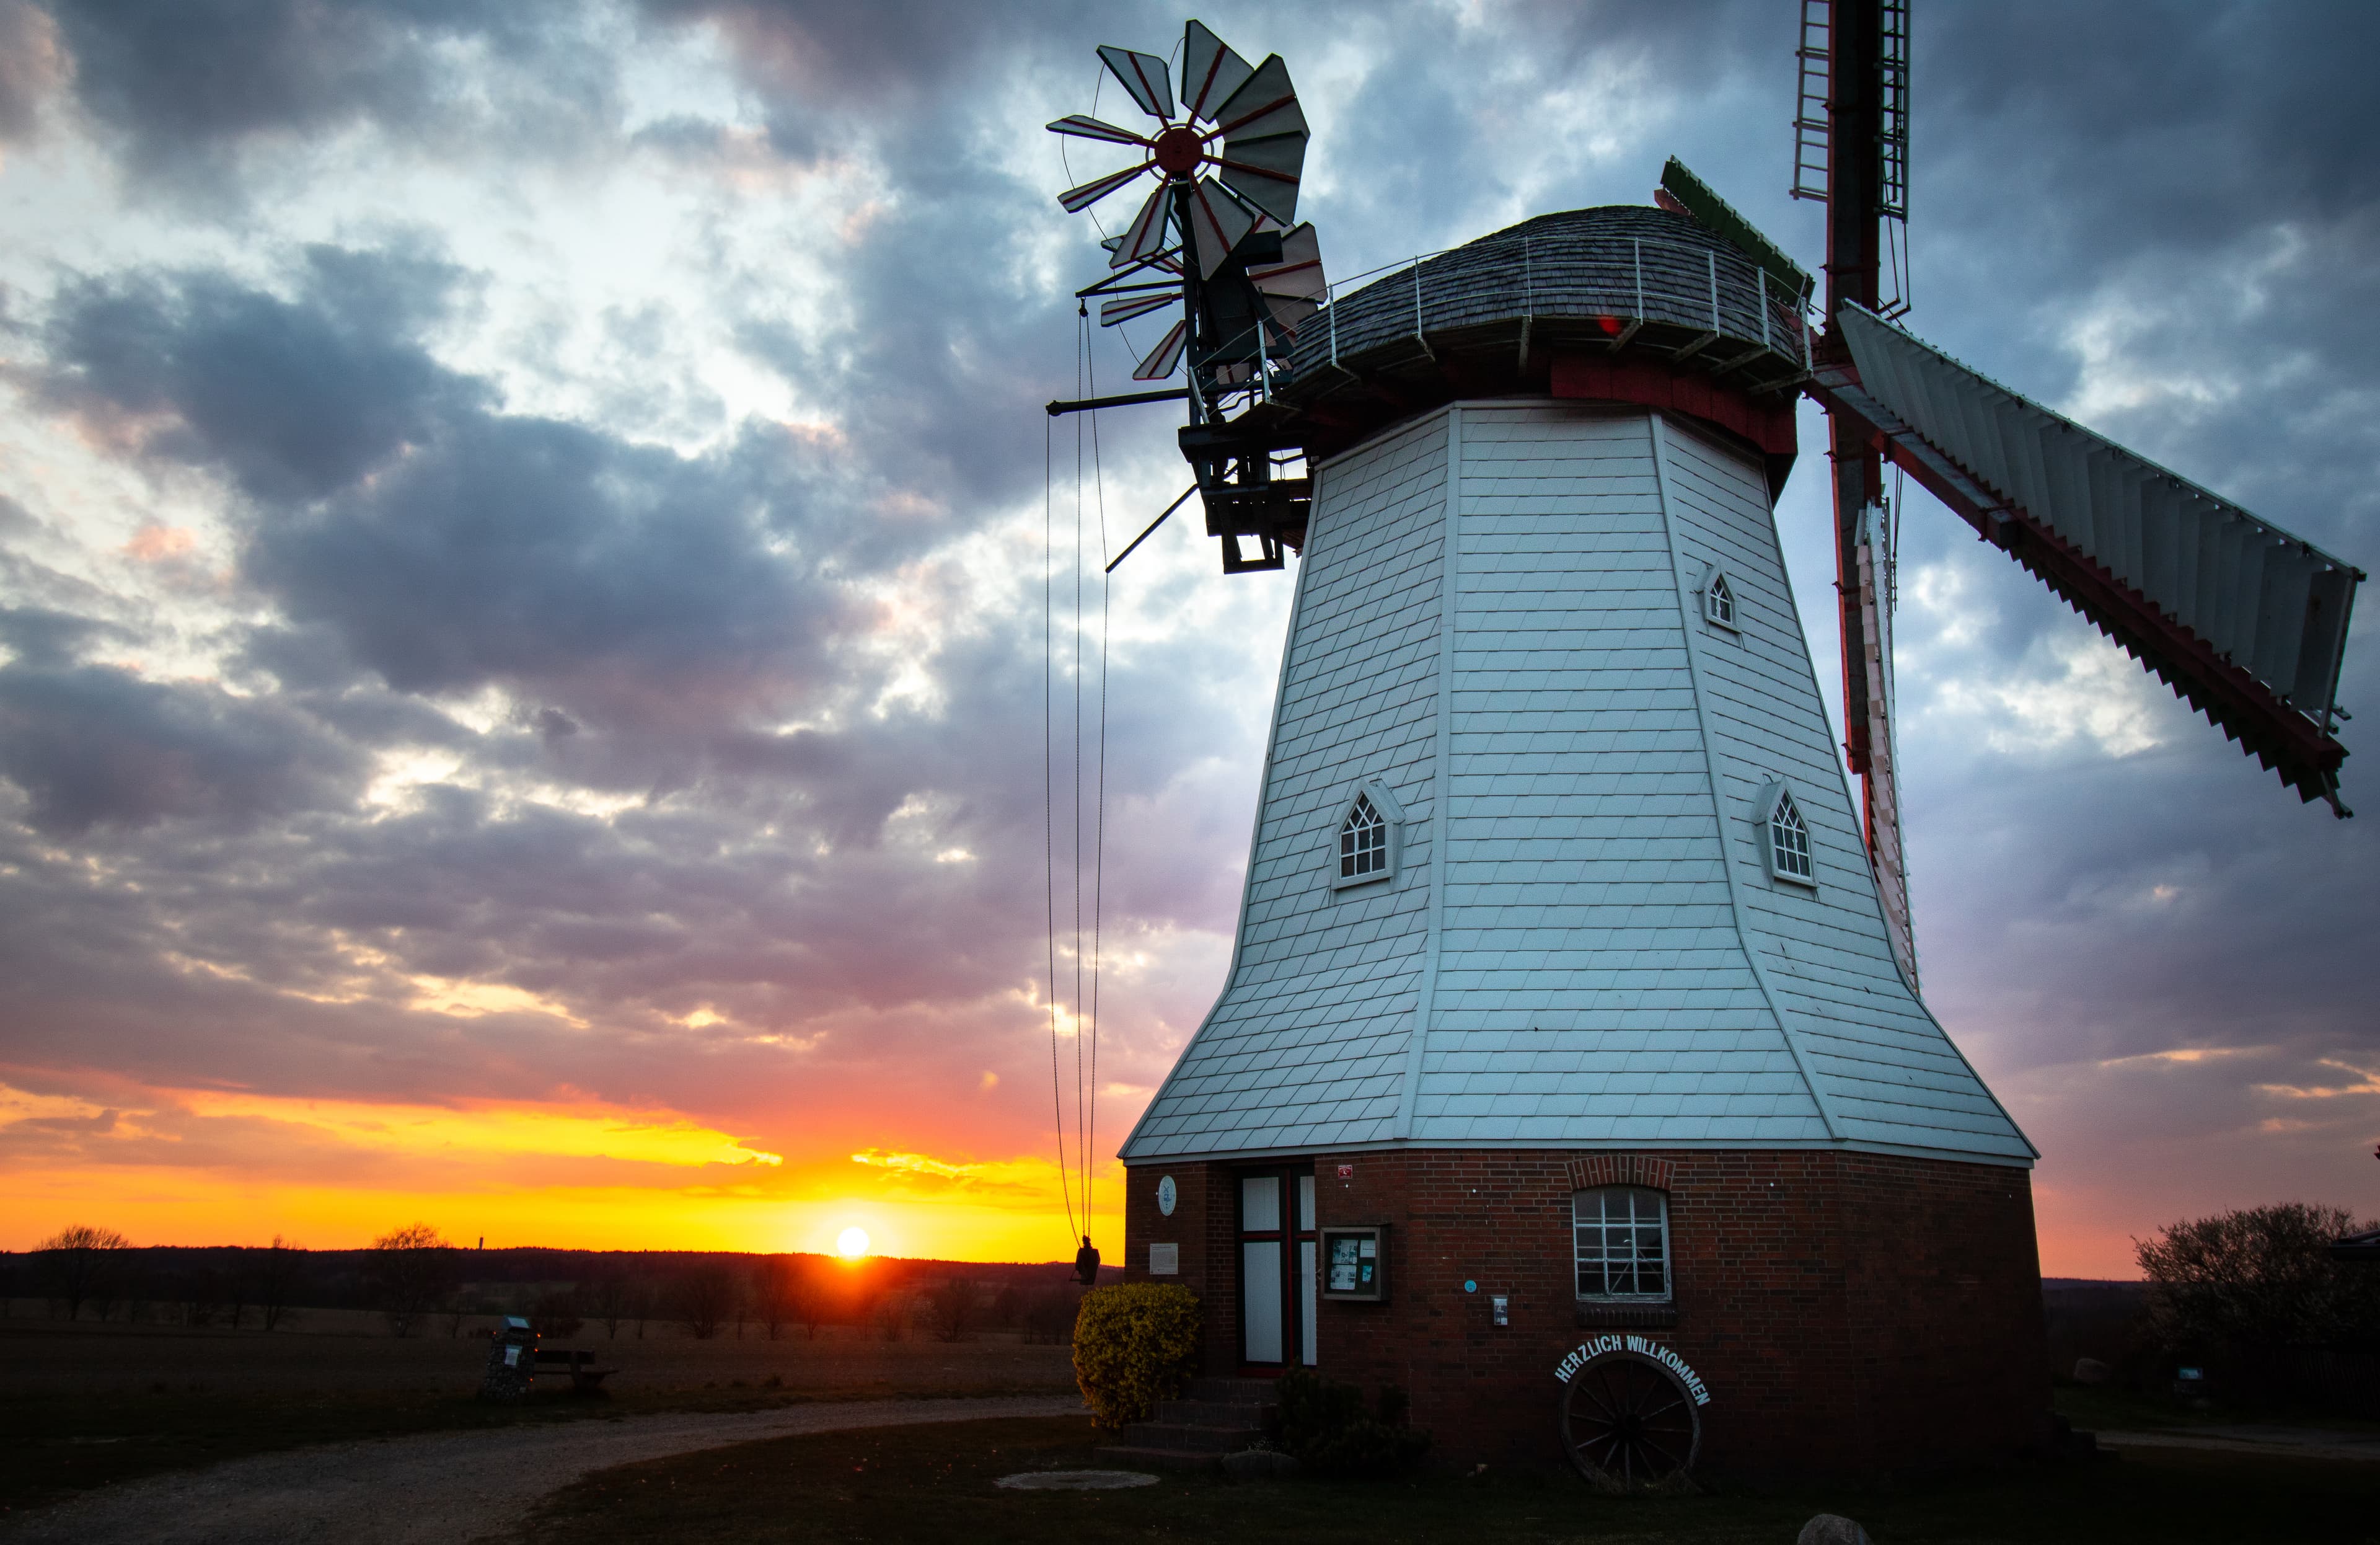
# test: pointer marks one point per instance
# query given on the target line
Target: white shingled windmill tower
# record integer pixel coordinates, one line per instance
(1570, 1071)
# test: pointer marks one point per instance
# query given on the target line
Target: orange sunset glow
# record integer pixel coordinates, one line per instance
(196, 1166)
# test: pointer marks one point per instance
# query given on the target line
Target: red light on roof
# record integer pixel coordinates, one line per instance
(1610, 325)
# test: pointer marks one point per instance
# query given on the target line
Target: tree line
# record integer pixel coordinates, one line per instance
(421, 1284)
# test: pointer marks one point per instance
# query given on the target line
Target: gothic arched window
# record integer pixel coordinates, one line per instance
(1363, 842)
(1788, 839)
(1718, 601)
(1365, 846)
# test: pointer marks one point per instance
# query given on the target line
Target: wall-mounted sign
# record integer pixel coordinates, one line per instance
(1594, 1347)
(1346, 1172)
(1165, 1195)
(1165, 1260)
(1355, 1263)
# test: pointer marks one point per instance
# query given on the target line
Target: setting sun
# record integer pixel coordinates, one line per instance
(852, 1243)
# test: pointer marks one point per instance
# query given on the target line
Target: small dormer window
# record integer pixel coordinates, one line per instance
(1789, 840)
(1718, 603)
(1362, 843)
(1364, 848)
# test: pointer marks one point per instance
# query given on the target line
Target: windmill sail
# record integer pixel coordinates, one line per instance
(2247, 623)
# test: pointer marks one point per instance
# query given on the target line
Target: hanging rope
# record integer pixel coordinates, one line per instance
(1049, 814)
(1099, 819)
(1082, 1138)
(1084, 1005)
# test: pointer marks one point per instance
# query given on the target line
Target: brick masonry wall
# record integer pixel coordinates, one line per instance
(1848, 1311)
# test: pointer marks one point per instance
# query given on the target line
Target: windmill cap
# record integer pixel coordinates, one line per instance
(1620, 302)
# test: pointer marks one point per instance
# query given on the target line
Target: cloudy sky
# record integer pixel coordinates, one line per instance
(521, 576)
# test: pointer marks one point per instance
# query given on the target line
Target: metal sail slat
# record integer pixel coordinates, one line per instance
(2186, 519)
(2278, 633)
(2332, 594)
(2162, 543)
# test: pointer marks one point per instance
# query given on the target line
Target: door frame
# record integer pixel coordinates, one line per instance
(1294, 1230)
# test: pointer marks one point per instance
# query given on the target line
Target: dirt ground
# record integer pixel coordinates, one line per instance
(332, 1350)
(89, 1406)
(440, 1489)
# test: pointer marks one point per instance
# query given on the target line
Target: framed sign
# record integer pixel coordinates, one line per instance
(1164, 1260)
(1355, 1263)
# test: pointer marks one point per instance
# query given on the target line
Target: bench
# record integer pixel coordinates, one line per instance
(585, 1377)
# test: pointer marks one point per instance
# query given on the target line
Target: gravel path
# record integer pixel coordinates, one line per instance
(2296, 1442)
(443, 1489)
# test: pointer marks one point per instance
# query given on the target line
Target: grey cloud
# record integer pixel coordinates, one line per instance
(31, 69)
(294, 397)
(46, 639)
(92, 744)
(188, 86)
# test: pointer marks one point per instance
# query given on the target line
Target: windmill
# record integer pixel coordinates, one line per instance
(1572, 989)
(1217, 235)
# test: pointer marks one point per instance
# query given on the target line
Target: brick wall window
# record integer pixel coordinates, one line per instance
(1622, 1235)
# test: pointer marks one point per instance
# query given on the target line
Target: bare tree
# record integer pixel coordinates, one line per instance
(554, 1314)
(951, 1309)
(891, 1313)
(413, 1270)
(279, 1270)
(199, 1294)
(81, 1262)
(772, 1294)
(608, 1297)
(705, 1296)
(810, 1302)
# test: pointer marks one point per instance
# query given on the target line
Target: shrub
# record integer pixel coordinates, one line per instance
(1327, 1427)
(1134, 1343)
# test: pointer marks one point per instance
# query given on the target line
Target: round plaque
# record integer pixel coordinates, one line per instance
(1165, 1195)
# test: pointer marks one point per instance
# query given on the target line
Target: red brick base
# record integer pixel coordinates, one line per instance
(1849, 1312)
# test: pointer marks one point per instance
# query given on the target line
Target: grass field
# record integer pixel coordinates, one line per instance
(84, 1405)
(934, 1485)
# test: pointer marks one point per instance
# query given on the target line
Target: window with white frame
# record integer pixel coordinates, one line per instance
(1623, 1240)
(1363, 842)
(1363, 847)
(1718, 601)
(1788, 841)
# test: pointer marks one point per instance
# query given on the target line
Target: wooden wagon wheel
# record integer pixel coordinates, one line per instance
(1626, 1421)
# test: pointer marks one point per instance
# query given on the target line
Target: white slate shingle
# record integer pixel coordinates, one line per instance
(1609, 960)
